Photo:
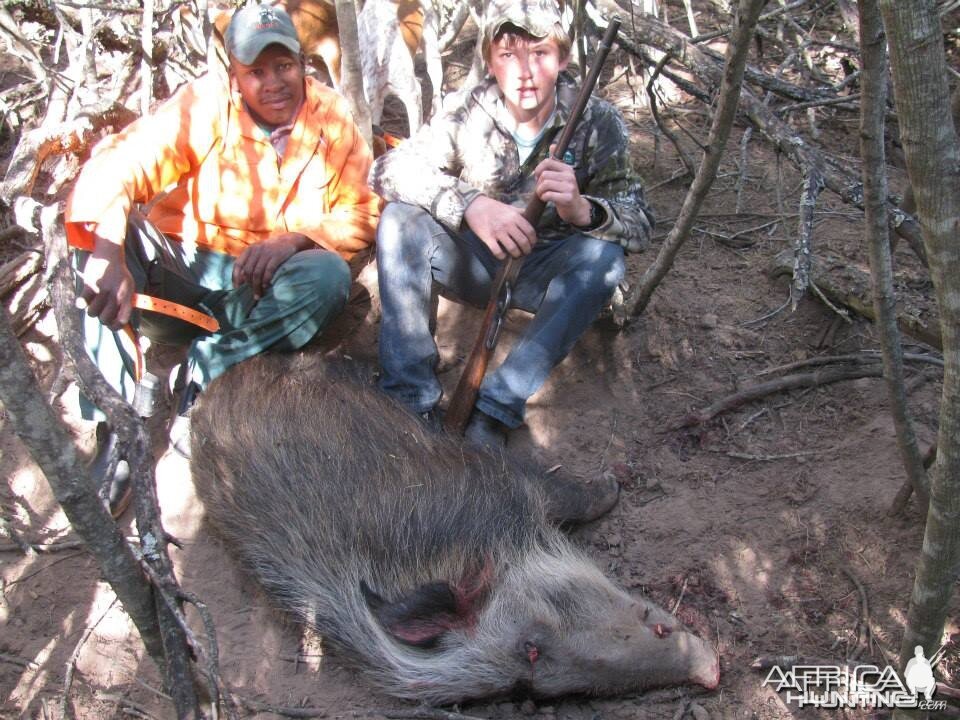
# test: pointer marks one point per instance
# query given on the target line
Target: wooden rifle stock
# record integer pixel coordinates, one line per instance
(465, 395)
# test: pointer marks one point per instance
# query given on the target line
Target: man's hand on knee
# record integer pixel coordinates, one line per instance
(108, 286)
(257, 264)
(501, 227)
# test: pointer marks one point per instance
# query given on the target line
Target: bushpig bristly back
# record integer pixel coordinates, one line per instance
(430, 566)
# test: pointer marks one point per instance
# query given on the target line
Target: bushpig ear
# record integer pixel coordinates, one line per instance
(422, 617)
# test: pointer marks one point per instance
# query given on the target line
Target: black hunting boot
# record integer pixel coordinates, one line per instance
(485, 432)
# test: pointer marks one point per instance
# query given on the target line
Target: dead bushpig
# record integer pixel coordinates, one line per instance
(431, 567)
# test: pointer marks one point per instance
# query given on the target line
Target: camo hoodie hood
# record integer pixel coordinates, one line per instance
(469, 151)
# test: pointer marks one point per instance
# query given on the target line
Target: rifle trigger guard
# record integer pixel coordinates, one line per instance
(503, 302)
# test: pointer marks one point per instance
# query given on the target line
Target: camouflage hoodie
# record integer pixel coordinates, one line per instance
(469, 151)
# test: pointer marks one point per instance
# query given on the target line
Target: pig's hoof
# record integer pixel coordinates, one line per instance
(575, 502)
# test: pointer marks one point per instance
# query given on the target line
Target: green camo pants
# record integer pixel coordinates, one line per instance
(305, 294)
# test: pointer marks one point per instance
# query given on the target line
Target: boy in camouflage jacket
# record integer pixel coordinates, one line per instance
(456, 193)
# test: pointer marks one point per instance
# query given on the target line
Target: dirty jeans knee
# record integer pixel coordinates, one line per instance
(580, 275)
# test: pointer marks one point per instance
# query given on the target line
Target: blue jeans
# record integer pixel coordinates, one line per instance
(306, 293)
(565, 283)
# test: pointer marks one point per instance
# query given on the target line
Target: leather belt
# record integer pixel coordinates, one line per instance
(176, 310)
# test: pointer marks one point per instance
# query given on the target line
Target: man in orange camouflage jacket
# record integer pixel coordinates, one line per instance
(254, 196)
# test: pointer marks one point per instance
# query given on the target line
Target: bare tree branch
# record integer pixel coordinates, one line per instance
(53, 450)
(146, 59)
(874, 88)
(803, 253)
(932, 150)
(351, 84)
(837, 178)
(174, 658)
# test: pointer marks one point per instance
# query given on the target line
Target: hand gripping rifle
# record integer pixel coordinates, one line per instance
(465, 395)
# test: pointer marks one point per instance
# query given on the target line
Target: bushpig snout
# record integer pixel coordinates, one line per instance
(433, 569)
(695, 660)
(593, 638)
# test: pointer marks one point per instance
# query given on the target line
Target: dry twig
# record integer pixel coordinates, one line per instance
(863, 621)
(847, 285)
(817, 378)
(43, 548)
(6, 528)
(173, 595)
(906, 490)
(687, 161)
(752, 457)
(290, 712)
(768, 662)
(426, 713)
(766, 16)
(802, 255)
(864, 357)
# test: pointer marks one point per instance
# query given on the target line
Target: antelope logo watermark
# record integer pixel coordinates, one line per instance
(860, 686)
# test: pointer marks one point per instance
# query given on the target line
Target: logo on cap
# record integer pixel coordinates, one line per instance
(254, 27)
(268, 17)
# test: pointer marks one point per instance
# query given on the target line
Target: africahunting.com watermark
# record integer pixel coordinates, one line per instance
(860, 686)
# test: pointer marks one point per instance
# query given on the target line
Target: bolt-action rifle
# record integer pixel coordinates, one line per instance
(465, 395)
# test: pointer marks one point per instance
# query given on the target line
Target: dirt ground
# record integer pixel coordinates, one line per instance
(765, 529)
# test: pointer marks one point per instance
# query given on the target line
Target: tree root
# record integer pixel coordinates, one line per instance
(817, 378)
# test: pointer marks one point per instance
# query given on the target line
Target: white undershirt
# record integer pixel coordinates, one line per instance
(525, 145)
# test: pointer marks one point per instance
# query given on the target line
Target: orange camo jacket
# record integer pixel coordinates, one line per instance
(224, 188)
